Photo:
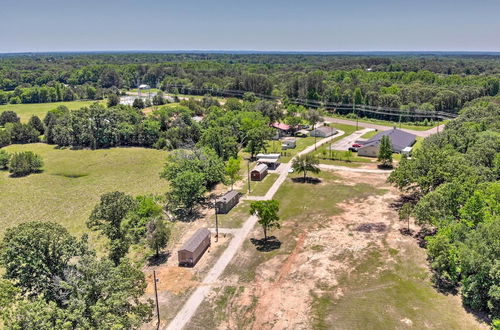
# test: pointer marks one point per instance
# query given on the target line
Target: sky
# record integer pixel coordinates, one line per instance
(271, 25)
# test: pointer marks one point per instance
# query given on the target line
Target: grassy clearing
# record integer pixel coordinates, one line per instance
(301, 205)
(392, 123)
(25, 111)
(72, 182)
(234, 219)
(389, 295)
(369, 134)
(260, 188)
(302, 143)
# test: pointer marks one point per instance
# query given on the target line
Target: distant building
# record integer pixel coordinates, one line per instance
(281, 129)
(225, 203)
(259, 172)
(271, 160)
(288, 143)
(194, 248)
(323, 131)
(400, 140)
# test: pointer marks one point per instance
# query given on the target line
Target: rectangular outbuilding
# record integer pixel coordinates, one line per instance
(225, 203)
(323, 131)
(194, 248)
(288, 143)
(259, 172)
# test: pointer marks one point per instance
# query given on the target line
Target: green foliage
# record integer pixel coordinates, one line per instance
(203, 161)
(8, 117)
(37, 124)
(107, 217)
(267, 212)
(34, 254)
(22, 133)
(456, 175)
(186, 190)
(385, 151)
(306, 163)
(113, 100)
(24, 163)
(158, 234)
(232, 170)
(4, 159)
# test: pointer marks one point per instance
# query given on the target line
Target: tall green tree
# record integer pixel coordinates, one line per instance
(385, 151)
(306, 163)
(35, 254)
(158, 234)
(267, 212)
(186, 190)
(232, 170)
(107, 218)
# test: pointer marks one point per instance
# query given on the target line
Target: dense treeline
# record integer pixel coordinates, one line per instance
(455, 177)
(443, 83)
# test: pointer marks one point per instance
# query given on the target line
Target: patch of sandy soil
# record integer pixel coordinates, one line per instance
(284, 284)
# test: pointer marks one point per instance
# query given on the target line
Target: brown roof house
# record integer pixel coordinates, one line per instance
(194, 248)
(225, 203)
(259, 172)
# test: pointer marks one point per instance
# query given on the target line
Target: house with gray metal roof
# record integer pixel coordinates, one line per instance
(399, 140)
(226, 202)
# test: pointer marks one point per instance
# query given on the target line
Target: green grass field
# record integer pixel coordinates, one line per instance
(391, 123)
(369, 134)
(25, 111)
(72, 182)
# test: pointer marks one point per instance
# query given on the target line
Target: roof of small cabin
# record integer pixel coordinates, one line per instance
(268, 160)
(144, 86)
(325, 129)
(281, 126)
(227, 196)
(260, 168)
(268, 156)
(399, 139)
(194, 241)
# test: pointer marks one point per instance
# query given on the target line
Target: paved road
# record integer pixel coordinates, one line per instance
(426, 133)
(184, 315)
(353, 169)
(345, 143)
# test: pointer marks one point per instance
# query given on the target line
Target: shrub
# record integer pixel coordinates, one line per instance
(5, 138)
(24, 163)
(8, 117)
(37, 124)
(4, 159)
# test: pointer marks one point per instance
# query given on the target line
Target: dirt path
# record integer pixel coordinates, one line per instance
(426, 133)
(197, 297)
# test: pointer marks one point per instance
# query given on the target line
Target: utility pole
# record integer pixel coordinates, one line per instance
(156, 297)
(216, 222)
(248, 172)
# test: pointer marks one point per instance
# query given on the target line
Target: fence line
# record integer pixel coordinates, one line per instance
(341, 108)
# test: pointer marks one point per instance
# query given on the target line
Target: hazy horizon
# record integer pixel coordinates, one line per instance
(259, 26)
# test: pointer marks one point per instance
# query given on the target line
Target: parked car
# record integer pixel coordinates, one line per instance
(357, 145)
(353, 149)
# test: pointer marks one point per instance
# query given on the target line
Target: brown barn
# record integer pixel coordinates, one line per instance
(194, 248)
(226, 202)
(259, 172)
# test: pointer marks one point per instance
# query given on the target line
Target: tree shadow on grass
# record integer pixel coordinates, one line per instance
(157, 260)
(307, 180)
(262, 245)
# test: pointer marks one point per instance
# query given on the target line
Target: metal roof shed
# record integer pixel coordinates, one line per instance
(259, 172)
(194, 248)
(225, 203)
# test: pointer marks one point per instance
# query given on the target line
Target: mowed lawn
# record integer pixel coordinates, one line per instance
(25, 111)
(72, 182)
